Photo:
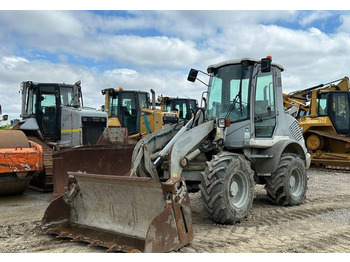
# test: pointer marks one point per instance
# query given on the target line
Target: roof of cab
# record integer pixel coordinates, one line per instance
(238, 61)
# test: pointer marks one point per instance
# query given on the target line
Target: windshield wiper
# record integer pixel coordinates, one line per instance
(233, 104)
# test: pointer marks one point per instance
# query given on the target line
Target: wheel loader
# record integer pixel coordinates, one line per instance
(19, 160)
(54, 117)
(326, 127)
(240, 138)
(133, 110)
(185, 107)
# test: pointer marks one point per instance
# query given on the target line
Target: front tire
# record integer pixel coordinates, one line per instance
(288, 185)
(227, 188)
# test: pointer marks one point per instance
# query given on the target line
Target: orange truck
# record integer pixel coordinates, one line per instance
(19, 160)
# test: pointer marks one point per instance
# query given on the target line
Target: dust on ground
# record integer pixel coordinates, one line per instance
(320, 225)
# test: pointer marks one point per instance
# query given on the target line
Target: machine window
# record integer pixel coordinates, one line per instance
(229, 93)
(264, 110)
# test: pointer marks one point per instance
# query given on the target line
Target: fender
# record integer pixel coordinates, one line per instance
(269, 165)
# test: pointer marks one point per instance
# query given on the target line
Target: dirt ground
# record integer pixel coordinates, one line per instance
(320, 225)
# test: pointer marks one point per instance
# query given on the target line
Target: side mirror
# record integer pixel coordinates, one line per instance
(5, 117)
(192, 75)
(266, 65)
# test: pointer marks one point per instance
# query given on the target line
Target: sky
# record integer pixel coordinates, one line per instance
(140, 49)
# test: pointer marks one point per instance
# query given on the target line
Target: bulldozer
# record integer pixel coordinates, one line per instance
(53, 116)
(241, 137)
(326, 126)
(185, 107)
(133, 110)
(19, 160)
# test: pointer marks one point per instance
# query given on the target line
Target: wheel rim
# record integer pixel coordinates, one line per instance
(238, 190)
(296, 183)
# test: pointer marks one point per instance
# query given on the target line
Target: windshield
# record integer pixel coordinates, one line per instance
(143, 100)
(66, 94)
(179, 105)
(229, 92)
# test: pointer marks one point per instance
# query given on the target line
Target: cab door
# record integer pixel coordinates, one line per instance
(128, 112)
(264, 105)
(338, 111)
(48, 111)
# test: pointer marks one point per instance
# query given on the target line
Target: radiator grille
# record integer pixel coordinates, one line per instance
(296, 131)
(92, 129)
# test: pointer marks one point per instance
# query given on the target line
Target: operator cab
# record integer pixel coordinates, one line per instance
(126, 106)
(243, 90)
(185, 107)
(43, 101)
(335, 105)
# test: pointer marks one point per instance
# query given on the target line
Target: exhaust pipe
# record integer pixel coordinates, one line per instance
(153, 99)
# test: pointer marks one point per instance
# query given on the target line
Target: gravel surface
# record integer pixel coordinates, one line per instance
(320, 225)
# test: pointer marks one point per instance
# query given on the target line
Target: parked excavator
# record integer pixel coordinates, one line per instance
(19, 160)
(185, 107)
(242, 136)
(326, 128)
(54, 117)
(133, 110)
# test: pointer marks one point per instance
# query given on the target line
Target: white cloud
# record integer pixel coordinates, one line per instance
(178, 40)
(12, 62)
(314, 16)
(171, 83)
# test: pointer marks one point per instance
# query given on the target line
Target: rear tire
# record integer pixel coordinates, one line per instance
(288, 185)
(227, 188)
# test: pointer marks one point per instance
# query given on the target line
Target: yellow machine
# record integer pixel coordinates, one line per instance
(133, 110)
(326, 127)
(186, 107)
(298, 107)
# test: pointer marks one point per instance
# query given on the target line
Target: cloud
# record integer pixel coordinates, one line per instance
(140, 50)
(308, 18)
(14, 70)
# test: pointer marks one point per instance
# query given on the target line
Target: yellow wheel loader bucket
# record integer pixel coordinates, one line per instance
(122, 213)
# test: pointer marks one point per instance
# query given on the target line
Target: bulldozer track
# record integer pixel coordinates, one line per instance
(330, 160)
(45, 183)
(330, 135)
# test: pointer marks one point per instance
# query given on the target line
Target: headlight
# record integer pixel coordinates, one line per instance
(223, 122)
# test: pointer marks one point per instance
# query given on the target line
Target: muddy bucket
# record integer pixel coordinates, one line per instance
(126, 214)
